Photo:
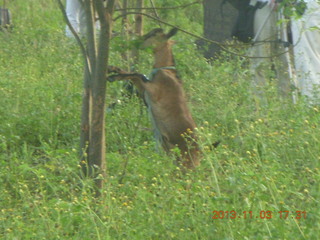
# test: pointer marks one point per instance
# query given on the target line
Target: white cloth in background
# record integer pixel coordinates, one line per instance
(269, 1)
(266, 33)
(76, 16)
(306, 39)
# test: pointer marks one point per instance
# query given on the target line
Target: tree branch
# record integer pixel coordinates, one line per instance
(164, 8)
(223, 46)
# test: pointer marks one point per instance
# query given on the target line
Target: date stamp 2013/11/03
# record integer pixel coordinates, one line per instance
(259, 215)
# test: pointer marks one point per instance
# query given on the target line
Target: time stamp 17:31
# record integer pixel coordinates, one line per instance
(259, 215)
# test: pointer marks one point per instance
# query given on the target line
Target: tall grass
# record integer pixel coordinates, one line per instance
(268, 160)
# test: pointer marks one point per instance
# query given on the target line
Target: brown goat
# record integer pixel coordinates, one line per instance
(164, 95)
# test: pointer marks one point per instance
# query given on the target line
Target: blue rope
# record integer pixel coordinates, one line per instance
(155, 71)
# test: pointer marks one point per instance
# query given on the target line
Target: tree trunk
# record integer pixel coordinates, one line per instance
(92, 136)
(138, 32)
(139, 19)
(218, 22)
(97, 147)
(85, 120)
(88, 84)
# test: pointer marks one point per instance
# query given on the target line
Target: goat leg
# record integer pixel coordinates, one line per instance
(113, 69)
(128, 76)
(123, 75)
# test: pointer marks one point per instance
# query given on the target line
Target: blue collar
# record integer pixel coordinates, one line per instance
(155, 71)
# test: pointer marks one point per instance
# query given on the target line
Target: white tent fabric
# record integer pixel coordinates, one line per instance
(75, 14)
(306, 39)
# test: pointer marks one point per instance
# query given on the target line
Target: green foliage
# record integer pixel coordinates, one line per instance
(294, 8)
(268, 159)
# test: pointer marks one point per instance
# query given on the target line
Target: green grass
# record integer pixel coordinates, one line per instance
(268, 160)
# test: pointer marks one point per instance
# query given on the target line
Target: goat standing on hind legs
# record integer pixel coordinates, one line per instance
(165, 98)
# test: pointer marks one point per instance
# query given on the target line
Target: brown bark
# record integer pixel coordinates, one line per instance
(92, 141)
(97, 147)
(96, 54)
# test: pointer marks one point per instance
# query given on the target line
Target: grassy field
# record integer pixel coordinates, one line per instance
(264, 176)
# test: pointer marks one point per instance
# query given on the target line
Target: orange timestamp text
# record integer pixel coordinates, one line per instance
(259, 215)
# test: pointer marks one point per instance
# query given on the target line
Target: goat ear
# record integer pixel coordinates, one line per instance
(172, 32)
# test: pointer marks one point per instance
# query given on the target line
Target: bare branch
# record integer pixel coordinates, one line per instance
(164, 8)
(223, 46)
(155, 11)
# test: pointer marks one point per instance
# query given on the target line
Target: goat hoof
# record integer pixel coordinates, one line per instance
(111, 78)
(145, 78)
